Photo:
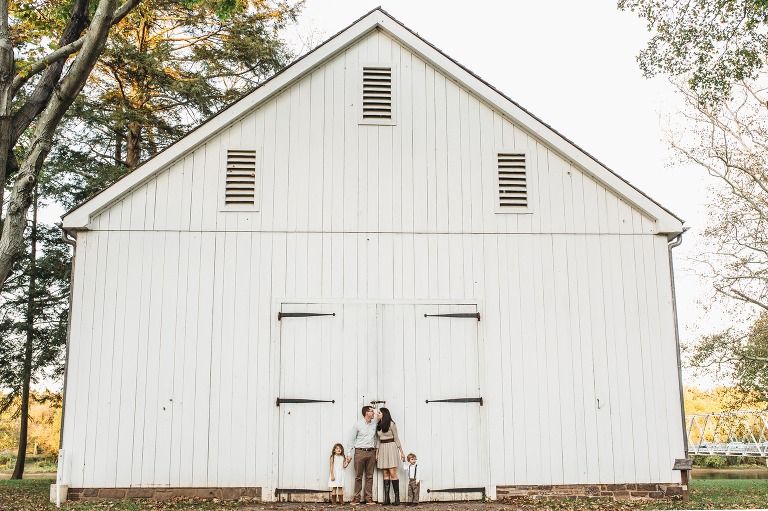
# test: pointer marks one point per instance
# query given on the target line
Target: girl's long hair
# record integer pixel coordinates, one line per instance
(386, 420)
(333, 451)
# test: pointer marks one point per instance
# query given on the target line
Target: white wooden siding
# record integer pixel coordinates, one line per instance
(173, 369)
(319, 170)
(172, 348)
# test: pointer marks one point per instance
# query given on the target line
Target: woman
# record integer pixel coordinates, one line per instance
(387, 445)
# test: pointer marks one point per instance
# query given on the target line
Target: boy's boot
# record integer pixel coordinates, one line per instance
(386, 492)
(396, 488)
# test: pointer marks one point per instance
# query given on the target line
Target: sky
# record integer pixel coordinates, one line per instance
(572, 64)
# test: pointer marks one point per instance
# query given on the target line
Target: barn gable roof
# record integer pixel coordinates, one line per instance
(79, 217)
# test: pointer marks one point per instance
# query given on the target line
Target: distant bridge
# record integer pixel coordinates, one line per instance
(742, 433)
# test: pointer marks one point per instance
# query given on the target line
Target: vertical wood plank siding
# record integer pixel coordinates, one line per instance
(198, 403)
(318, 170)
(172, 362)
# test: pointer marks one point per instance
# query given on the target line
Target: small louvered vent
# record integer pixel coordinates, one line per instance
(241, 178)
(377, 93)
(513, 186)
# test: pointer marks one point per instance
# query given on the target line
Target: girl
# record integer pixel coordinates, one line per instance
(387, 445)
(336, 480)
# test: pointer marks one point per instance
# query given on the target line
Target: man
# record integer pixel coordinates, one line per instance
(362, 439)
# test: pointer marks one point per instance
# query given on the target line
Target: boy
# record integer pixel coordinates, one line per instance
(411, 467)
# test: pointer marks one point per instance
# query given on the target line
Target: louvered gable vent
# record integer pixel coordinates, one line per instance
(377, 93)
(513, 183)
(241, 178)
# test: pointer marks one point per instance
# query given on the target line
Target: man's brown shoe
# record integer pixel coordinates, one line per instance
(355, 501)
(369, 501)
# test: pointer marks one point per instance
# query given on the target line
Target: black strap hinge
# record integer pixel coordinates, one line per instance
(279, 491)
(281, 315)
(458, 400)
(474, 315)
(458, 490)
(291, 400)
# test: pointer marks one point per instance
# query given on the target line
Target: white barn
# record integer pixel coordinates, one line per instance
(373, 224)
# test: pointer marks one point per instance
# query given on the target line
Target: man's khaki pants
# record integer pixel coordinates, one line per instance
(365, 463)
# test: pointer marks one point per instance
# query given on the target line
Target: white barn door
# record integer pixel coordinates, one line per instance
(449, 402)
(429, 375)
(420, 361)
(308, 400)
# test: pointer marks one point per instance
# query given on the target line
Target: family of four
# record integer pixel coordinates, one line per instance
(375, 444)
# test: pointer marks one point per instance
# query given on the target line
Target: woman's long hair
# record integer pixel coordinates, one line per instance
(386, 420)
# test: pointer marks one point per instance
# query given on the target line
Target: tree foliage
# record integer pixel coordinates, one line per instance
(44, 424)
(51, 305)
(720, 399)
(36, 92)
(729, 140)
(713, 44)
(40, 80)
(715, 51)
(739, 357)
(168, 65)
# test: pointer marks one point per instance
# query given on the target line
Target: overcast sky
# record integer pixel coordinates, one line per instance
(572, 64)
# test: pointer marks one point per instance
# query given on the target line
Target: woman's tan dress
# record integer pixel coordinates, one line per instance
(389, 452)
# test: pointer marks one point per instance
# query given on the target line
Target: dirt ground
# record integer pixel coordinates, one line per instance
(424, 506)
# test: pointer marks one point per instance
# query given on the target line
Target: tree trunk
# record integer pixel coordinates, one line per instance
(21, 457)
(119, 149)
(133, 145)
(7, 72)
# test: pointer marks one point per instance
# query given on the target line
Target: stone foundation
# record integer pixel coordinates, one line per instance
(164, 493)
(592, 491)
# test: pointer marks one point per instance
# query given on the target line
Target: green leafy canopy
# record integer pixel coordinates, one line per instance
(712, 43)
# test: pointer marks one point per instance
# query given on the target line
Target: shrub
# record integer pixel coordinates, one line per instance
(715, 461)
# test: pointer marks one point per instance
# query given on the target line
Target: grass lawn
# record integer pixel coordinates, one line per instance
(32, 495)
(705, 494)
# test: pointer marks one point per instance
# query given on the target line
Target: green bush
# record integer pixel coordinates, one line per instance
(715, 461)
(702, 461)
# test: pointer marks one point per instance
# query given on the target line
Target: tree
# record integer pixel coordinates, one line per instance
(38, 90)
(170, 65)
(716, 53)
(738, 357)
(719, 399)
(713, 44)
(167, 66)
(33, 324)
(44, 424)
